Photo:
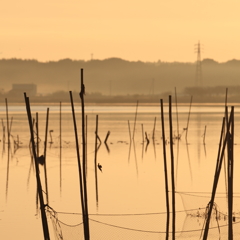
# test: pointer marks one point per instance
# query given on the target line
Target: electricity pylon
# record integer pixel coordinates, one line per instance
(198, 79)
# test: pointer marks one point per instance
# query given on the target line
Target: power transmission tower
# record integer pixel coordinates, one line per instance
(198, 79)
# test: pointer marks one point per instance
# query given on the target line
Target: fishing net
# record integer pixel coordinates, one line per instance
(68, 226)
(195, 203)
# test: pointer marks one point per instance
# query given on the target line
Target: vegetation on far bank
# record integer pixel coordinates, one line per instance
(199, 95)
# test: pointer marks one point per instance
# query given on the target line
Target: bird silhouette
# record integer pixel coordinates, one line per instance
(99, 167)
(41, 160)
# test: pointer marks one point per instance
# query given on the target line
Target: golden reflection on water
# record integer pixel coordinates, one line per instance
(132, 177)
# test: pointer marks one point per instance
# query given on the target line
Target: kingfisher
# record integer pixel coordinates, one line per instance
(99, 167)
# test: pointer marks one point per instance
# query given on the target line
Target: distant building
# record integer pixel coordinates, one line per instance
(29, 89)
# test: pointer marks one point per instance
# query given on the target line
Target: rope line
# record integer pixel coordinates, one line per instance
(139, 230)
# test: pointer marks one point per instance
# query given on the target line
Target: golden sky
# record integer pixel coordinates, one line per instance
(152, 30)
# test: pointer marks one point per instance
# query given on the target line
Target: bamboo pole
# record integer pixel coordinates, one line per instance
(188, 118)
(79, 165)
(230, 177)
(154, 128)
(217, 174)
(165, 171)
(129, 129)
(106, 138)
(3, 137)
(45, 154)
(130, 138)
(178, 136)
(39, 186)
(95, 160)
(81, 94)
(8, 130)
(37, 133)
(86, 121)
(135, 120)
(60, 143)
(172, 168)
(204, 135)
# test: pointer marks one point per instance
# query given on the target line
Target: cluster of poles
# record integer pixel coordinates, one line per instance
(81, 167)
(226, 141)
(226, 144)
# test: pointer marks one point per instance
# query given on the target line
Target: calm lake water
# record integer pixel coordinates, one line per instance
(129, 201)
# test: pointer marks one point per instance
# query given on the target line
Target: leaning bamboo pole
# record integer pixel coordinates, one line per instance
(217, 173)
(79, 165)
(39, 186)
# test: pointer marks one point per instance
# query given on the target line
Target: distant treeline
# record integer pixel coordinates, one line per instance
(199, 94)
(116, 78)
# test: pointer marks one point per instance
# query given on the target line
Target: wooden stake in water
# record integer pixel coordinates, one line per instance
(37, 134)
(204, 135)
(172, 168)
(45, 154)
(81, 94)
(39, 186)
(178, 136)
(217, 173)
(230, 147)
(188, 118)
(165, 171)
(129, 129)
(86, 143)
(8, 131)
(135, 120)
(60, 144)
(79, 165)
(95, 160)
(154, 127)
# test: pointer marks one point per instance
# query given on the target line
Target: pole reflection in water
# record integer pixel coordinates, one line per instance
(132, 180)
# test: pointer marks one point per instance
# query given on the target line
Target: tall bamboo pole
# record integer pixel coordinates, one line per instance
(81, 94)
(172, 168)
(79, 165)
(165, 171)
(45, 154)
(39, 186)
(230, 177)
(216, 177)
(95, 160)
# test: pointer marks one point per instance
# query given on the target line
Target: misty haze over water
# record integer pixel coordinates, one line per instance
(116, 77)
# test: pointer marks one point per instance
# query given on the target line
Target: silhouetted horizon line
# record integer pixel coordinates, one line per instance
(117, 58)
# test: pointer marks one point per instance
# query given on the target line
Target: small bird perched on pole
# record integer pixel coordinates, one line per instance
(99, 167)
(41, 160)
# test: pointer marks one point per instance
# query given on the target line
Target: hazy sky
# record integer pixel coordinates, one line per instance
(132, 30)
